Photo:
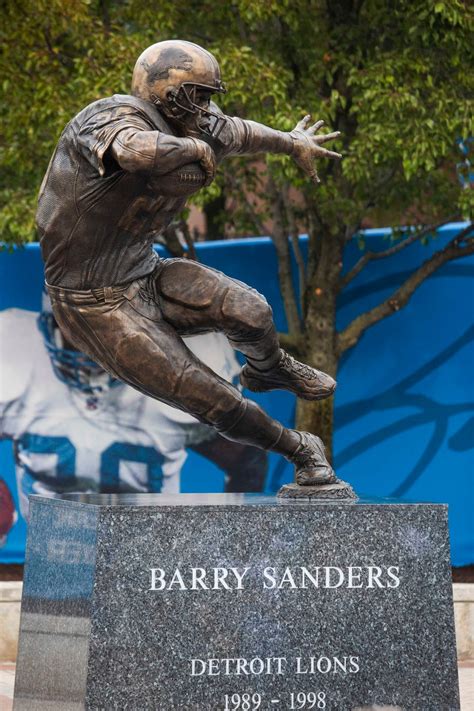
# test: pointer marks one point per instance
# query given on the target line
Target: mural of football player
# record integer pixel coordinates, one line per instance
(76, 429)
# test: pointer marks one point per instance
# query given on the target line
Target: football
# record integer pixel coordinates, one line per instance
(180, 182)
(8, 515)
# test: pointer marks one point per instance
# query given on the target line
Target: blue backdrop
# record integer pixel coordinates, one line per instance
(404, 423)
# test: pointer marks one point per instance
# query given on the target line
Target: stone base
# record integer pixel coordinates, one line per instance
(189, 601)
(340, 490)
(10, 594)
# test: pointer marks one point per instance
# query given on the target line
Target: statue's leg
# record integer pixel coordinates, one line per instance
(124, 331)
(195, 298)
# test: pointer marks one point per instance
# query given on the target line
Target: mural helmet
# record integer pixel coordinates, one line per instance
(72, 367)
(179, 78)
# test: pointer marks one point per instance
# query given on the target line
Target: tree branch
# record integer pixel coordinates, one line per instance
(458, 247)
(188, 238)
(372, 256)
(57, 56)
(179, 241)
(315, 231)
(280, 240)
(104, 11)
(376, 188)
(293, 228)
(295, 241)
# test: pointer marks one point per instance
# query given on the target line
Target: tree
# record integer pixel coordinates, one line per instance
(394, 76)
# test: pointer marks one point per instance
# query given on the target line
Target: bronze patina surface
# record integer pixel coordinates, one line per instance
(121, 171)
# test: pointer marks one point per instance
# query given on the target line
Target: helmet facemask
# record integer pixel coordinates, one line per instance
(187, 105)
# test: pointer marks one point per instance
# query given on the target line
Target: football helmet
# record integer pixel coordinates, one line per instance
(179, 78)
(72, 367)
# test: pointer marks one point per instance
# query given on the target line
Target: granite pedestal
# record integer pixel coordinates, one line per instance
(236, 602)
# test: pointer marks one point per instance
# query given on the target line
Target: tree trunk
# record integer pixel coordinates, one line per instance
(282, 246)
(317, 417)
(320, 338)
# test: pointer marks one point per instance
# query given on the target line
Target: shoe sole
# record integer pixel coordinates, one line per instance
(258, 386)
(317, 480)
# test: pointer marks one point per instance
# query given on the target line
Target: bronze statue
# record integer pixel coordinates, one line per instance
(122, 169)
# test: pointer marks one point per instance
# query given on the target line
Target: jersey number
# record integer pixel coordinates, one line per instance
(110, 460)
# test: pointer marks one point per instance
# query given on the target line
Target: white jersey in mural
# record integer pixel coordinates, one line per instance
(66, 440)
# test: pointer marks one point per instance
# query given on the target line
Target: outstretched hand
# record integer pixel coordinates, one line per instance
(307, 146)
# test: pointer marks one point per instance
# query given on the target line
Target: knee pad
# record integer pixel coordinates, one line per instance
(247, 312)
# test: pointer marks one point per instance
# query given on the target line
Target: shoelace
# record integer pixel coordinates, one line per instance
(305, 370)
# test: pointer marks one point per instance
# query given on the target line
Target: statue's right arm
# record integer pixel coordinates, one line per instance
(160, 153)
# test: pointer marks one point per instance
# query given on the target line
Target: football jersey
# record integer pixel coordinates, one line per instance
(66, 440)
(97, 223)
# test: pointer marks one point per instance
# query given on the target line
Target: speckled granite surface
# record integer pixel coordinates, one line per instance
(164, 603)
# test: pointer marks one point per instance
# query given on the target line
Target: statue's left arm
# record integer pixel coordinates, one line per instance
(303, 143)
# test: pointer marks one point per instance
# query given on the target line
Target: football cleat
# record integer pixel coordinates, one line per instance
(289, 374)
(312, 467)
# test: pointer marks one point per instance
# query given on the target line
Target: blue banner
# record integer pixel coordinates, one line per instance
(404, 419)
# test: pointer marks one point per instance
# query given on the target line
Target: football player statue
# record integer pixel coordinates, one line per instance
(121, 171)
